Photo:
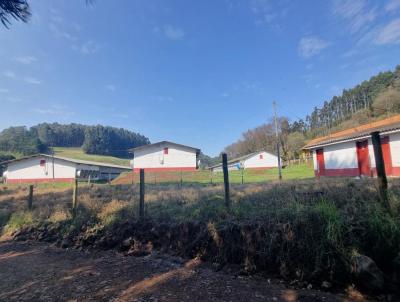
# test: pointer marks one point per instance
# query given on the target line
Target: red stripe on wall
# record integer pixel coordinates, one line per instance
(38, 180)
(137, 170)
(350, 172)
(260, 168)
(395, 171)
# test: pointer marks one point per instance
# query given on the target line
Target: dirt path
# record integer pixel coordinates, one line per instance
(39, 272)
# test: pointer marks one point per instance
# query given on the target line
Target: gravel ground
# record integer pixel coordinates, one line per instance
(31, 271)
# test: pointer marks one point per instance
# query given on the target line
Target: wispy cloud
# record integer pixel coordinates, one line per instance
(393, 5)
(4, 90)
(14, 100)
(59, 33)
(174, 33)
(90, 47)
(269, 12)
(9, 74)
(54, 110)
(389, 34)
(26, 59)
(31, 80)
(311, 46)
(263, 10)
(111, 87)
(355, 12)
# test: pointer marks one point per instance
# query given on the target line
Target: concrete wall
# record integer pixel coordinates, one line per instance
(341, 156)
(30, 170)
(153, 158)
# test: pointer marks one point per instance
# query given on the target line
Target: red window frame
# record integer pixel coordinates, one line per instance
(166, 151)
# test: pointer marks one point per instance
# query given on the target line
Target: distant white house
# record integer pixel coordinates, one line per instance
(165, 156)
(258, 160)
(46, 168)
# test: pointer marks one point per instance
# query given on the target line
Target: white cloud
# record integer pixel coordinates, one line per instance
(111, 87)
(4, 90)
(9, 74)
(263, 10)
(355, 12)
(393, 5)
(56, 18)
(311, 46)
(390, 33)
(26, 60)
(174, 33)
(90, 47)
(31, 80)
(54, 110)
(58, 33)
(14, 100)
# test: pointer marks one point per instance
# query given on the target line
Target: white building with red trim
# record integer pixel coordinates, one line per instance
(46, 168)
(165, 156)
(261, 160)
(351, 153)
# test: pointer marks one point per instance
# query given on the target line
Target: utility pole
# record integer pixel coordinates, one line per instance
(278, 151)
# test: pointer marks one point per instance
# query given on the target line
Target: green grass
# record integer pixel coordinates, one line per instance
(294, 172)
(77, 153)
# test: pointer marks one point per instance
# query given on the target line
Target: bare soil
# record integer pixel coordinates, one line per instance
(32, 271)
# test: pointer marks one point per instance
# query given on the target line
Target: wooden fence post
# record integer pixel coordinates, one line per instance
(181, 178)
(226, 179)
(74, 197)
(380, 168)
(30, 197)
(141, 200)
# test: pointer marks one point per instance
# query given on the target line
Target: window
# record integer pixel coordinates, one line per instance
(42, 162)
(261, 156)
(165, 151)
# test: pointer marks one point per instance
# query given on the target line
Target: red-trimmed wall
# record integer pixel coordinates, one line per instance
(38, 180)
(169, 169)
(349, 172)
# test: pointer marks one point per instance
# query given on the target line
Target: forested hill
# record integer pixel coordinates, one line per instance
(372, 99)
(102, 140)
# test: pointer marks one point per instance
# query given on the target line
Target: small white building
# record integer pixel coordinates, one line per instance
(46, 168)
(165, 156)
(261, 160)
(351, 153)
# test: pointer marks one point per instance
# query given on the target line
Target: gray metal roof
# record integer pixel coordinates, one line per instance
(76, 161)
(164, 143)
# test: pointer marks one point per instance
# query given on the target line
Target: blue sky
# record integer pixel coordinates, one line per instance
(195, 72)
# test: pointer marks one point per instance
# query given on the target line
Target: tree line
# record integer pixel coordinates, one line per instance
(102, 140)
(373, 99)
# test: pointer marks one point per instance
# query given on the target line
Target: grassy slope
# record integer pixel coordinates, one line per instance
(302, 171)
(77, 153)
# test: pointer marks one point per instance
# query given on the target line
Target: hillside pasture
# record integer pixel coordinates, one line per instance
(293, 172)
(77, 153)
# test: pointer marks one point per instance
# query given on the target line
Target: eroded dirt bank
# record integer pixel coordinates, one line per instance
(32, 271)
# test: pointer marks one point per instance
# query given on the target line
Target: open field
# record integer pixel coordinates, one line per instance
(77, 153)
(293, 172)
